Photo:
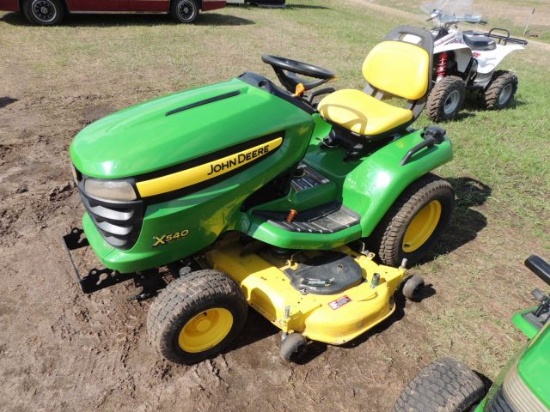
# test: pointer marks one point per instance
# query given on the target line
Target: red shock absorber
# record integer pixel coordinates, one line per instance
(442, 65)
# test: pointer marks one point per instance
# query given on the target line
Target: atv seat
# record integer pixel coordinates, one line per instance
(479, 41)
(399, 67)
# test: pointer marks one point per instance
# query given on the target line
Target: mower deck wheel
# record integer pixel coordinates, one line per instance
(412, 288)
(444, 385)
(293, 347)
(196, 316)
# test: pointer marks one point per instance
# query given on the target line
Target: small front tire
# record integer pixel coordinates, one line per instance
(446, 99)
(43, 12)
(196, 317)
(501, 90)
(444, 385)
(185, 11)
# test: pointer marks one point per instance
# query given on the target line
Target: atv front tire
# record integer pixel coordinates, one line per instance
(446, 99)
(501, 90)
(415, 222)
(444, 385)
(196, 317)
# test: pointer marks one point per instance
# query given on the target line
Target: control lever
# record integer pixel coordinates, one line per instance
(432, 135)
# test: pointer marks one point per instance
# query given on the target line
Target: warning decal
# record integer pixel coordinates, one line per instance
(338, 303)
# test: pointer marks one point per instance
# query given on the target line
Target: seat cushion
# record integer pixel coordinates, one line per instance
(361, 113)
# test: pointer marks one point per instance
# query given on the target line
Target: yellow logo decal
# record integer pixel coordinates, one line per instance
(206, 171)
(164, 239)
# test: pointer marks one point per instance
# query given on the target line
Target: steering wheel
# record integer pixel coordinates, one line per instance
(287, 69)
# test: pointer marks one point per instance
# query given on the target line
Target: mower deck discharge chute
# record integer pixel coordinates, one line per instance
(253, 194)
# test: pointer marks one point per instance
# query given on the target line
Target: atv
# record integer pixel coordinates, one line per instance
(524, 386)
(244, 193)
(467, 61)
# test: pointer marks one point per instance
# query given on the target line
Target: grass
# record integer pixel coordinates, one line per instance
(500, 171)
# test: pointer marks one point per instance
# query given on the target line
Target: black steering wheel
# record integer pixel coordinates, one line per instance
(287, 70)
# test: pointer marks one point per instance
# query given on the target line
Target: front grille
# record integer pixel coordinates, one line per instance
(118, 222)
(499, 403)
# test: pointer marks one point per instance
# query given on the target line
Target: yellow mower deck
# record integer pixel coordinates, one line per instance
(334, 319)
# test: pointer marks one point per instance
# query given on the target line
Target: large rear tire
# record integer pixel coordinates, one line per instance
(415, 222)
(196, 317)
(444, 385)
(501, 90)
(446, 99)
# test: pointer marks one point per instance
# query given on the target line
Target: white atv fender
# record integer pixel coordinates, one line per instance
(462, 52)
(488, 60)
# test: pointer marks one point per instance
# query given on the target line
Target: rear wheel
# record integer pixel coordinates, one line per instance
(43, 12)
(444, 385)
(415, 222)
(196, 317)
(501, 91)
(446, 99)
(185, 11)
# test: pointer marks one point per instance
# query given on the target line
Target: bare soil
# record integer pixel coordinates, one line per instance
(62, 350)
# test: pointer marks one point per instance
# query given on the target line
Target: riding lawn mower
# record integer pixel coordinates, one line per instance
(252, 194)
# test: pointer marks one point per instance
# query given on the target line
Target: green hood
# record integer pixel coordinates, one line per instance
(179, 127)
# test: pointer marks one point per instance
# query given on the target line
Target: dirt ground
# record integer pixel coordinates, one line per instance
(61, 350)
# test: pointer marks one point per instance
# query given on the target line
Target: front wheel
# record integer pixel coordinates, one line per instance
(43, 12)
(445, 385)
(446, 99)
(185, 11)
(501, 91)
(196, 316)
(415, 222)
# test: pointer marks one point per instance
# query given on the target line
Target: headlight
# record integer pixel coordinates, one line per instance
(110, 189)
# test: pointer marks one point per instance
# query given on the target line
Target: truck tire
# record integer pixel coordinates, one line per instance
(415, 222)
(446, 99)
(501, 90)
(43, 12)
(445, 385)
(196, 317)
(185, 11)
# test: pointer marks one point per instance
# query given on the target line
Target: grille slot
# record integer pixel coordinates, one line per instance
(499, 403)
(119, 223)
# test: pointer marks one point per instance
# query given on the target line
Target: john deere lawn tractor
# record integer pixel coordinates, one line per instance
(523, 386)
(256, 195)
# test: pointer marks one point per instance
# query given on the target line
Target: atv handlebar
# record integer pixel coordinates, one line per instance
(445, 20)
(287, 71)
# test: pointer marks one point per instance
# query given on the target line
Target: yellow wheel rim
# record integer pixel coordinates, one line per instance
(422, 226)
(205, 330)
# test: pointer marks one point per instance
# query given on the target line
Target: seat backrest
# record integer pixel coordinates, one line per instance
(401, 66)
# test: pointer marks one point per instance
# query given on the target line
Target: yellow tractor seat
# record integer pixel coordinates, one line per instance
(400, 67)
(361, 113)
